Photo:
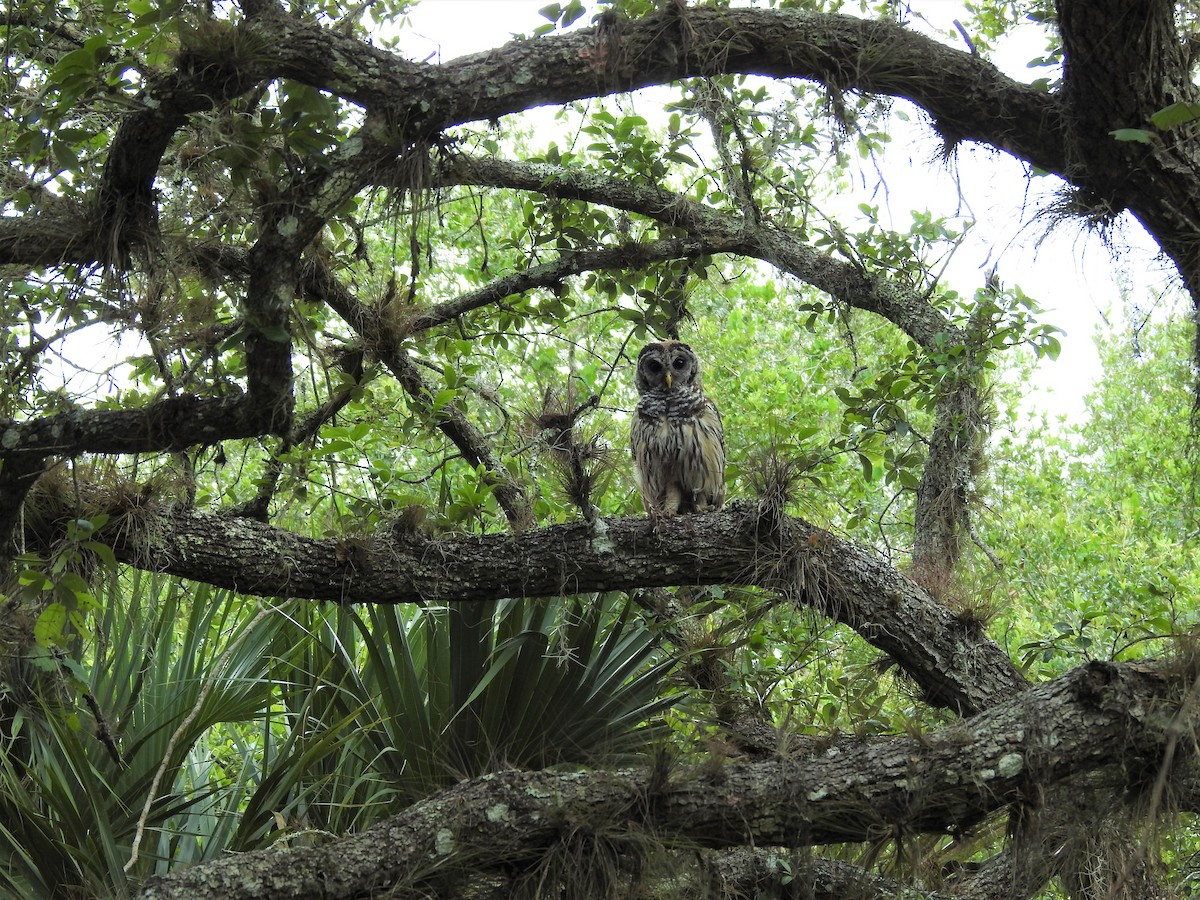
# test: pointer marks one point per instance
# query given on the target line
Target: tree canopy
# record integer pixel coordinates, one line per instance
(324, 571)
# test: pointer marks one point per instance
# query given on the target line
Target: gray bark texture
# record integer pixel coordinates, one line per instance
(943, 782)
(953, 663)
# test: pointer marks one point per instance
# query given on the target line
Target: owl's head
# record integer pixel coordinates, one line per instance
(667, 365)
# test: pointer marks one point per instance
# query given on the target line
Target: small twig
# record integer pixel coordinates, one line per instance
(103, 734)
(966, 38)
(996, 561)
(183, 726)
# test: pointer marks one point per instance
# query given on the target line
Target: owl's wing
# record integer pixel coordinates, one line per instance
(710, 490)
(641, 436)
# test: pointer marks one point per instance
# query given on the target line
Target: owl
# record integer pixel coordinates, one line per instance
(677, 440)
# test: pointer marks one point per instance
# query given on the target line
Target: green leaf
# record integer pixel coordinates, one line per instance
(48, 630)
(574, 10)
(75, 583)
(277, 334)
(1176, 114)
(868, 466)
(102, 552)
(34, 579)
(1140, 135)
(443, 397)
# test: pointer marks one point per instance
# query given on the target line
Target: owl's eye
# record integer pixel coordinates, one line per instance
(654, 366)
(679, 362)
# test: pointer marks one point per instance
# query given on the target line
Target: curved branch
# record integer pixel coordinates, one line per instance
(203, 79)
(411, 102)
(1123, 63)
(946, 781)
(905, 308)
(952, 662)
(968, 98)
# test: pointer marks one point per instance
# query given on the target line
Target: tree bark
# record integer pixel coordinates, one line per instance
(952, 662)
(945, 782)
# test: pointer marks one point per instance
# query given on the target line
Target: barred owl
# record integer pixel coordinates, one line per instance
(677, 439)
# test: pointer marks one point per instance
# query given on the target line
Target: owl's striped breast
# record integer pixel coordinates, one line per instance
(679, 451)
(681, 403)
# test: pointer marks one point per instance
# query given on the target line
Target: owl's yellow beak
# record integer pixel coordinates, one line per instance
(668, 381)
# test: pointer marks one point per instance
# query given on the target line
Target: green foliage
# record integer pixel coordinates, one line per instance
(1105, 567)
(313, 722)
(76, 775)
(560, 16)
(1175, 115)
(383, 708)
(1137, 135)
(322, 720)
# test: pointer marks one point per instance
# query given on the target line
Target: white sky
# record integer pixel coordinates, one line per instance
(1071, 274)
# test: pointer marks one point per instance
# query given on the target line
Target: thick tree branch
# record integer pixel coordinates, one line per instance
(944, 494)
(410, 103)
(271, 287)
(952, 662)
(778, 872)
(1122, 64)
(60, 234)
(17, 478)
(969, 98)
(947, 781)
(172, 424)
(872, 56)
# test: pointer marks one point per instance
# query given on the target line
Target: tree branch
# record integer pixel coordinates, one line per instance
(947, 781)
(205, 78)
(58, 234)
(968, 98)
(906, 309)
(626, 256)
(175, 423)
(952, 662)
